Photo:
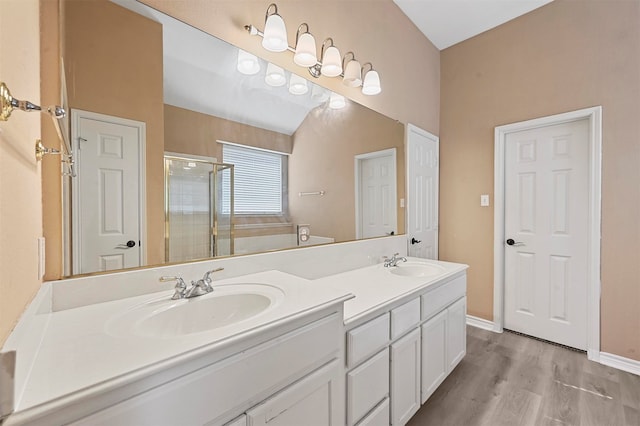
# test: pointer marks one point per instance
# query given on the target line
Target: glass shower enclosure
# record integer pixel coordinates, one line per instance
(198, 209)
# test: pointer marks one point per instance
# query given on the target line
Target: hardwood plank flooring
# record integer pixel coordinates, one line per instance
(508, 379)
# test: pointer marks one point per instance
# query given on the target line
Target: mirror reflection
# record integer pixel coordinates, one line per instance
(189, 148)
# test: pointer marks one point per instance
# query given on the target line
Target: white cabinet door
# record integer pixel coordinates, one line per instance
(456, 333)
(367, 385)
(434, 353)
(405, 378)
(310, 401)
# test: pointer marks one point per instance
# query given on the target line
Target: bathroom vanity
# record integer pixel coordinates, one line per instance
(364, 347)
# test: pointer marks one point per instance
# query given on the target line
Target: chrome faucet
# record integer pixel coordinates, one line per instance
(198, 288)
(393, 261)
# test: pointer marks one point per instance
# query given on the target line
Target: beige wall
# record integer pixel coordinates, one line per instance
(354, 130)
(376, 30)
(565, 56)
(113, 62)
(20, 189)
(191, 132)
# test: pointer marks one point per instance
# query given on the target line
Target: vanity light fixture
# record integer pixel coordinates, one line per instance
(248, 64)
(352, 71)
(371, 84)
(275, 76)
(331, 62)
(297, 85)
(275, 32)
(337, 101)
(274, 39)
(305, 54)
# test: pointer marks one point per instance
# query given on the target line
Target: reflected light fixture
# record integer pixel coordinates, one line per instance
(319, 94)
(297, 85)
(275, 76)
(305, 54)
(248, 64)
(352, 72)
(371, 84)
(337, 101)
(274, 38)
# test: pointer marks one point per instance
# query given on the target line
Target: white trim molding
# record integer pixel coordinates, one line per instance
(482, 323)
(594, 115)
(621, 363)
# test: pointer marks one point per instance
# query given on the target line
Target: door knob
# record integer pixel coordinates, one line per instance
(512, 242)
(129, 244)
(414, 241)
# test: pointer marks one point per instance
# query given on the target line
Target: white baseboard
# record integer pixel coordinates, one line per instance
(619, 362)
(481, 323)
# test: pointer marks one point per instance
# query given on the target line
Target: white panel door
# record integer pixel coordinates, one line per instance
(422, 193)
(456, 333)
(376, 194)
(107, 187)
(546, 228)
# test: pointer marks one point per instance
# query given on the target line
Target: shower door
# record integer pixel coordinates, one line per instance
(196, 224)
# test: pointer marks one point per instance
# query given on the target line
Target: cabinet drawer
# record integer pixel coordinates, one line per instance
(405, 317)
(364, 341)
(367, 385)
(438, 299)
(378, 417)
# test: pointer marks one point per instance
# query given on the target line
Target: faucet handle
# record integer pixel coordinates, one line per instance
(180, 288)
(207, 275)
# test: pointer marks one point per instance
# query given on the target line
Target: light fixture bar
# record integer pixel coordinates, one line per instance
(255, 31)
(330, 63)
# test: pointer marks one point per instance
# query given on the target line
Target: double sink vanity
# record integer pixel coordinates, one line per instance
(365, 346)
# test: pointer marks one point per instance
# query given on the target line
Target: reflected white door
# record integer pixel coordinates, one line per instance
(546, 232)
(108, 206)
(422, 192)
(376, 194)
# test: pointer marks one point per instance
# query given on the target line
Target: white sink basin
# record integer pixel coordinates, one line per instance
(417, 269)
(226, 305)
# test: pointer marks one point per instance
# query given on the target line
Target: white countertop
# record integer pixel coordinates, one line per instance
(376, 286)
(77, 351)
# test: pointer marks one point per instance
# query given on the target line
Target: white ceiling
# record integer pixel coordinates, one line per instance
(447, 22)
(199, 74)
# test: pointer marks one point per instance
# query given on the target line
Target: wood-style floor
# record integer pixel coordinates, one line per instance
(507, 379)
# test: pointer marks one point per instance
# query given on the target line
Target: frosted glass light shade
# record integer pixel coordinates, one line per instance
(371, 85)
(275, 34)
(319, 94)
(275, 76)
(337, 101)
(305, 55)
(247, 63)
(331, 62)
(297, 85)
(352, 74)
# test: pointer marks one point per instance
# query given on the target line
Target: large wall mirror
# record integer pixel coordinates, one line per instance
(188, 148)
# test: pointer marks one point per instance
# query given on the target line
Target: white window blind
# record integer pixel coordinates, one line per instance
(257, 180)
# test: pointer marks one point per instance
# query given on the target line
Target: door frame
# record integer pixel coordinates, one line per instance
(411, 128)
(594, 115)
(390, 152)
(76, 116)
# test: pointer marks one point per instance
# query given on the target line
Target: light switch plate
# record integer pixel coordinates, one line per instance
(484, 200)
